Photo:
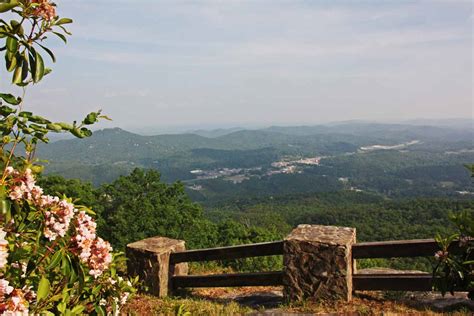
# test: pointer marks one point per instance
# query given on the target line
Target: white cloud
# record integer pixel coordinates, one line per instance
(209, 60)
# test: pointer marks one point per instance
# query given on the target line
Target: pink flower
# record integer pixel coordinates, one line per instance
(441, 255)
(23, 185)
(85, 235)
(9, 170)
(100, 258)
(45, 10)
(5, 289)
(58, 216)
(12, 301)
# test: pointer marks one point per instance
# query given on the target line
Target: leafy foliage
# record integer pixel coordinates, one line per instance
(454, 270)
(51, 259)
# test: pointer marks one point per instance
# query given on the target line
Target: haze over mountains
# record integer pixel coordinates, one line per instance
(392, 159)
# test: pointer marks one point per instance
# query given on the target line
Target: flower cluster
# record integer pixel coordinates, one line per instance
(44, 9)
(58, 215)
(92, 250)
(121, 299)
(23, 185)
(14, 301)
(3, 249)
(441, 255)
(100, 258)
(85, 234)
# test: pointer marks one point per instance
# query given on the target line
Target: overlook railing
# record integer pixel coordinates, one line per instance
(363, 282)
(311, 263)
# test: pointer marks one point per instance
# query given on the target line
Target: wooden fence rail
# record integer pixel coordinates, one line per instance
(225, 280)
(366, 282)
(393, 282)
(227, 253)
(398, 248)
(361, 282)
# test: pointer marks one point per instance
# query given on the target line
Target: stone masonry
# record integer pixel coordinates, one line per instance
(318, 263)
(149, 259)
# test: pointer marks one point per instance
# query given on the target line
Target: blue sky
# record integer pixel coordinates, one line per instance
(150, 63)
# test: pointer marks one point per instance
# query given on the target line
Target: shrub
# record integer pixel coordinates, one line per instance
(51, 259)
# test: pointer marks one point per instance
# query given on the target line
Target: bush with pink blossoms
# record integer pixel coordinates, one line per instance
(51, 259)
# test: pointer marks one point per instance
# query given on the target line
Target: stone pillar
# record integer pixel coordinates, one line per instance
(318, 263)
(149, 259)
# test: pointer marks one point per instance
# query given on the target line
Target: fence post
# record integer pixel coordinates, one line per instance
(318, 263)
(149, 259)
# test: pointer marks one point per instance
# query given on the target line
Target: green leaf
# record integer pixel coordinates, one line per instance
(7, 6)
(77, 310)
(43, 289)
(105, 117)
(25, 114)
(55, 260)
(6, 110)
(4, 7)
(50, 53)
(39, 119)
(61, 307)
(61, 36)
(9, 98)
(24, 73)
(16, 27)
(10, 62)
(96, 289)
(86, 132)
(91, 118)
(39, 128)
(54, 127)
(17, 75)
(5, 206)
(64, 30)
(39, 69)
(12, 44)
(65, 126)
(77, 132)
(63, 21)
(100, 310)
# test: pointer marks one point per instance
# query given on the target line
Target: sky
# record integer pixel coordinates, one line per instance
(201, 64)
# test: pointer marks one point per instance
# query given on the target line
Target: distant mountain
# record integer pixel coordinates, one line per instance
(111, 152)
(382, 131)
(456, 123)
(213, 133)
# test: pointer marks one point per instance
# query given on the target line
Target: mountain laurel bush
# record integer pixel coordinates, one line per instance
(51, 259)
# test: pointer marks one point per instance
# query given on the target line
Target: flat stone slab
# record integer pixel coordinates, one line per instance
(157, 245)
(438, 303)
(330, 235)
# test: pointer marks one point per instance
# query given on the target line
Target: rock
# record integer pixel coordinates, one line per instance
(149, 259)
(436, 302)
(318, 263)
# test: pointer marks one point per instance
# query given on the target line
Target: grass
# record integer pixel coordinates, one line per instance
(219, 302)
(149, 305)
(211, 302)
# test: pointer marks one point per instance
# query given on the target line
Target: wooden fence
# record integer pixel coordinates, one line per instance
(385, 249)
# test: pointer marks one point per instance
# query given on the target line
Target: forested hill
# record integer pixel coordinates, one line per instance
(384, 158)
(390, 181)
